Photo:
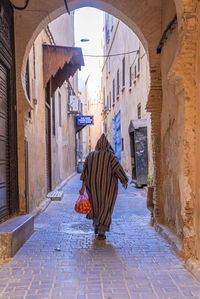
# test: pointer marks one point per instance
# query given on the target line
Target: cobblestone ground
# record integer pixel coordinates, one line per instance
(63, 259)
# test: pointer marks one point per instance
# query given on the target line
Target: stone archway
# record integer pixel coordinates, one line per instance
(30, 22)
(148, 19)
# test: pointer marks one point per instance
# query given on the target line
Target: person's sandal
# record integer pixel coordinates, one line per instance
(101, 237)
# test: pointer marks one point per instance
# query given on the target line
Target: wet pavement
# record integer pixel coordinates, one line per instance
(63, 259)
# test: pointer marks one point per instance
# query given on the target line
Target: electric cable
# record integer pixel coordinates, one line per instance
(66, 6)
(20, 7)
(111, 55)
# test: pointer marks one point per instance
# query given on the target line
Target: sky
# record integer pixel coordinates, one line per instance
(88, 24)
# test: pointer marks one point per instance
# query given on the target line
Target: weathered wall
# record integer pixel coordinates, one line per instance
(63, 142)
(197, 149)
(171, 131)
(35, 130)
(180, 212)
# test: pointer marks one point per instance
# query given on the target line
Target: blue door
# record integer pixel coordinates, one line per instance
(117, 136)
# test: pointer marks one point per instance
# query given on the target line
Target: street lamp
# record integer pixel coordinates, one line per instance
(83, 40)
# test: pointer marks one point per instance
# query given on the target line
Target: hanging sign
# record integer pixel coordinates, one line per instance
(84, 120)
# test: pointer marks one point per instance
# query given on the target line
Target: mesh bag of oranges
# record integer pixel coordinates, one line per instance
(82, 205)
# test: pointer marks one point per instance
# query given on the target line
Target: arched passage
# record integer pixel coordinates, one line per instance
(148, 19)
(136, 19)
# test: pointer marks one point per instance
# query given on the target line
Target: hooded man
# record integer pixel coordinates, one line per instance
(100, 175)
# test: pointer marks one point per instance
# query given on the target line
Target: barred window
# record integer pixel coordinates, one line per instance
(117, 82)
(113, 91)
(130, 76)
(123, 72)
(139, 111)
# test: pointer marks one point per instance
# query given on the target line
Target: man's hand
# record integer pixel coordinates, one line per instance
(125, 186)
(81, 191)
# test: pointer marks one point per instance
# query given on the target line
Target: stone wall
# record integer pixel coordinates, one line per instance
(35, 130)
(172, 117)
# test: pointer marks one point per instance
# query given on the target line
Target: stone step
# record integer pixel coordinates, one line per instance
(14, 233)
(55, 195)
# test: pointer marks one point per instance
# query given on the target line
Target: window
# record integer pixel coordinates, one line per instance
(105, 129)
(113, 91)
(138, 63)
(139, 111)
(110, 100)
(69, 92)
(60, 111)
(117, 82)
(122, 143)
(53, 117)
(130, 76)
(135, 71)
(123, 72)
(68, 97)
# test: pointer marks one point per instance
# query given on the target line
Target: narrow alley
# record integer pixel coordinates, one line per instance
(63, 259)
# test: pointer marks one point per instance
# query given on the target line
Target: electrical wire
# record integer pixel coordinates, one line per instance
(18, 7)
(66, 6)
(111, 55)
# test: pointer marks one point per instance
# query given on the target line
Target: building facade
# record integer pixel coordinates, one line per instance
(125, 88)
(95, 105)
(50, 141)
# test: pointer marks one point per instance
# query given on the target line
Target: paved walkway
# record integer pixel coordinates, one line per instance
(63, 259)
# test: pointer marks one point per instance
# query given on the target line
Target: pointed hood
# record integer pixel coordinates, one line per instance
(103, 144)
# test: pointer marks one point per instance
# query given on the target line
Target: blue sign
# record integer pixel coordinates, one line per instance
(84, 120)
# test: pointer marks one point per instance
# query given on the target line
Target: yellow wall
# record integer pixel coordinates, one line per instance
(63, 143)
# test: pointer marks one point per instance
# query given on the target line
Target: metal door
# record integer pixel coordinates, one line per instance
(4, 154)
(141, 153)
(8, 122)
(117, 136)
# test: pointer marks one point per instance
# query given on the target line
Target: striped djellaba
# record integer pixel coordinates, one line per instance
(101, 172)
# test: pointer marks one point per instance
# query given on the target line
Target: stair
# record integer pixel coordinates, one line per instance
(55, 195)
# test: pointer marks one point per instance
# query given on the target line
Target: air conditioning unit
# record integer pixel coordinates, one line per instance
(74, 104)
